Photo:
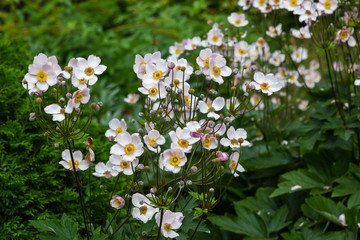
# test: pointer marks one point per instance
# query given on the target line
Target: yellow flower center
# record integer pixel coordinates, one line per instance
(211, 109)
(76, 164)
(293, 3)
(343, 34)
(82, 81)
(237, 22)
(261, 42)
(175, 160)
(261, 2)
(124, 164)
(177, 51)
(216, 71)
(129, 148)
(275, 32)
(234, 141)
(308, 12)
(107, 172)
(256, 99)
(142, 63)
(153, 91)
(206, 62)
(292, 78)
(41, 76)
(327, 4)
(183, 143)
(187, 100)
(193, 45)
(143, 210)
(152, 141)
(233, 164)
(89, 71)
(167, 227)
(207, 142)
(158, 74)
(118, 130)
(132, 100)
(78, 97)
(264, 86)
(215, 38)
(242, 51)
(117, 202)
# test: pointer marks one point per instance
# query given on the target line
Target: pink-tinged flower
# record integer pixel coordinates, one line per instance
(89, 69)
(292, 5)
(302, 33)
(140, 64)
(223, 156)
(170, 221)
(307, 12)
(57, 112)
(277, 58)
(179, 63)
(273, 32)
(107, 171)
(182, 139)
(121, 165)
(173, 160)
(143, 210)
(192, 44)
(80, 164)
(177, 49)
(43, 72)
(235, 138)
(234, 164)
(128, 146)
(327, 6)
(238, 20)
(215, 35)
(132, 98)
(152, 137)
(76, 82)
(245, 4)
(81, 97)
(303, 105)
(344, 35)
(116, 127)
(210, 107)
(153, 90)
(267, 84)
(117, 202)
(241, 49)
(218, 69)
(209, 142)
(203, 60)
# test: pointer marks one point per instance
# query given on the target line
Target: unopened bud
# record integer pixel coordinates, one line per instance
(100, 104)
(171, 65)
(233, 89)
(68, 95)
(147, 168)
(144, 234)
(111, 138)
(170, 189)
(183, 68)
(133, 121)
(181, 184)
(140, 183)
(189, 182)
(191, 91)
(32, 114)
(176, 82)
(68, 69)
(56, 145)
(47, 134)
(193, 169)
(31, 119)
(216, 160)
(101, 186)
(211, 190)
(141, 114)
(153, 190)
(74, 119)
(140, 166)
(235, 71)
(24, 81)
(155, 145)
(54, 90)
(77, 110)
(38, 100)
(226, 120)
(197, 72)
(61, 100)
(241, 140)
(140, 130)
(222, 168)
(93, 105)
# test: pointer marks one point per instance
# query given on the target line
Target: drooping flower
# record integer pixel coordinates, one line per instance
(117, 202)
(116, 127)
(80, 164)
(170, 221)
(128, 146)
(143, 210)
(234, 164)
(267, 84)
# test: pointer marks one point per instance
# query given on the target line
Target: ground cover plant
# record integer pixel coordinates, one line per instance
(250, 131)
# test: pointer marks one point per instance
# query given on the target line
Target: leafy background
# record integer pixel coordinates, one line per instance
(322, 155)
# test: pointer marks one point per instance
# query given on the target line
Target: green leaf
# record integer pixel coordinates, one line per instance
(277, 221)
(344, 133)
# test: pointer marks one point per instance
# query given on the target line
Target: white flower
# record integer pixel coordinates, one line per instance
(357, 82)
(170, 221)
(210, 107)
(81, 97)
(89, 69)
(154, 91)
(302, 33)
(116, 127)
(143, 210)
(102, 170)
(155, 71)
(277, 58)
(173, 160)
(117, 202)
(274, 31)
(327, 6)
(129, 146)
(344, 35)
(80, 164)
(177, 49)
(182, 139)
(43, 72)
(192, 44)
(215, 36)
(255, 100)
(307, 12)
(238, 20)
(292, 5)
(218, 69)
(241, 49)
(121, 165)
(267, 84)
(299, 54)
(78, 83)
(132, 98)
(152, 137)
(179, 63)
(234, 164)
(235, 138)
(209, 142)
(140, 63)
(203, 60)
(57, 112)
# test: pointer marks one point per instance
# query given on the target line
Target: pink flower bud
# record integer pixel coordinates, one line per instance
(111, 138)
(223, 156)
(210, 22)
(117, 202)
(196, 134)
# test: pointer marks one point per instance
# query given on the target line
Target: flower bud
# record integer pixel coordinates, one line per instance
(101, 186)
(189, 182)
(38, 100)
(111, 138)
(31, 119)
(24, 81)
(171, 65)
(226, 120)
(211, 190)
(181, 184)
(62, 100)
(140, 183)
(183, 68)
(155, 145)
(193, 169)
(54, 90)
(93, 105)
(140, 166)
(144, 234)
(233, 89)
(68, 95)
(176, 82)
(100, 104)
(197, 72)
(191, 91)
(170, 189)
(147, 168)
(74, 119)
(77, 110)
(32, 115)
(153, 190)
(235, 70)
(141, 114)
(56, 145)
(68, 69)
(133, 121)
(140, 130)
